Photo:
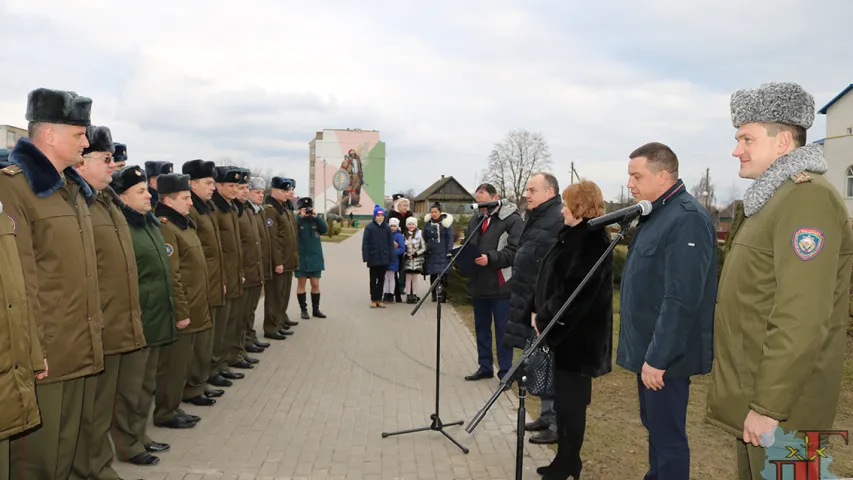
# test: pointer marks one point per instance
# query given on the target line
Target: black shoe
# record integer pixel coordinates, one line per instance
(304, 314)
(219, 381)
(157, 447)
(502, 374)
(285, 333)
(177, 422)
(201, 401)
(242, 364)
(319, 314)
(261, 344)
(233, 375)
(479, 375)
(252, 348)
(290, 323)
(545, 437)
(144, 459)
(252, 360)
(214, 393)
(274, 336)
(536, 425)
(284, 327)
(192, 418)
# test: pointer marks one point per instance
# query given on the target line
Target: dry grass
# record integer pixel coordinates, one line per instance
(615, 445)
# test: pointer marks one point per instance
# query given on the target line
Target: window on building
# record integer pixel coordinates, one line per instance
(849, 190)
(10, 139)
(849, 130)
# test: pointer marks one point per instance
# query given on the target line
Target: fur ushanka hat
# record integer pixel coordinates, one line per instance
(785, 103)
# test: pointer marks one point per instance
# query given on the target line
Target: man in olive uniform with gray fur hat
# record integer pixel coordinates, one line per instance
(257, 187)
(784, 290)
(119, 294)
(48, 202)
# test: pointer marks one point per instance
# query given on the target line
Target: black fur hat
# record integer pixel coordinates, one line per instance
(226, 174)
(57, 106)
(173, 183)
(198, 168)
(100, 140)
(396, 197)
(304, 202)
(154, 168)
(120, 154)
(127, 177)
(245, 175)
(282, 183)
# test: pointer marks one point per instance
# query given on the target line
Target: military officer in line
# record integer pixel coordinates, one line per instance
(227, 179)
(153, 169)
(120, 156)
(782, 307)
(291, 263)
(47, 203)
(138, 370)
(192, 305)
(257, 187)
(119, 294)
(253, 272)
(18, 398)
(285, 258)
(202, 184)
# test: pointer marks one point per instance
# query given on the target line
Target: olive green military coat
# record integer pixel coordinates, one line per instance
(202, 215)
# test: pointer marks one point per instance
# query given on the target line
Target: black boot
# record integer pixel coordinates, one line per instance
(315, 305)
(303, 305)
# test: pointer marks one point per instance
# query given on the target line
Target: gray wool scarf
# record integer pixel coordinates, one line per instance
(804, 159)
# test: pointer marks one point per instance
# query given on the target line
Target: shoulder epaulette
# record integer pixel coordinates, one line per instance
(268, 205)
(12, 170)
(801, 177)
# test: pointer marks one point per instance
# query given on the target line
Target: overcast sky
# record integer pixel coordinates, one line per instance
(443, 81)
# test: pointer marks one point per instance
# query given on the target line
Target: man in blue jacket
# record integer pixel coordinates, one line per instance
(669, 286)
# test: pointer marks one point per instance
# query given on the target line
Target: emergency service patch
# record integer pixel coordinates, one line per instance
(169, 250)
(269, 222)
(808, 242)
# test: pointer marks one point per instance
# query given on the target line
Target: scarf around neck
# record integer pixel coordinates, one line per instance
(803, 159)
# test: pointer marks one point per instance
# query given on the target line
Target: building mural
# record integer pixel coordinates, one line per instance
(360, 157)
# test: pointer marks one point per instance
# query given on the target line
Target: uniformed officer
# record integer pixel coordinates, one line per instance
(201, 181)
(253, 273)
(227, 179)
(257, 187)
(120, 155)
(119, 294)
(192, 304)
(47, 202)
(138, 370)
(153, 169)
(24, 352)
(782, 307)
(285, 258)
(309, 227)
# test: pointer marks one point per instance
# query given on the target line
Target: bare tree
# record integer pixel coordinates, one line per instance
(513, 161)
(703, 191)
(733, 193)
(410, 193)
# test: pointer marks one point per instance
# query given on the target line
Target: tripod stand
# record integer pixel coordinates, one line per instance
(438, 287)
(516, 372)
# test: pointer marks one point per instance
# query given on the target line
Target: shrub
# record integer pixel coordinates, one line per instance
(620, 254)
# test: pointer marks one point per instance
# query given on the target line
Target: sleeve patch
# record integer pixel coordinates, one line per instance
(807, 242)
(170, 249)
(12, 170)
(269, 221)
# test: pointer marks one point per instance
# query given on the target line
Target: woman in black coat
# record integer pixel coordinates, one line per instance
(582, 340)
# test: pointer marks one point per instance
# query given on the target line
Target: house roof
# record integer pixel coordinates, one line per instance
(430, 192)
(837, 98)
(821, 141)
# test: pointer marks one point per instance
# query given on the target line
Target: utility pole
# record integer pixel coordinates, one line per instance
(708, 189)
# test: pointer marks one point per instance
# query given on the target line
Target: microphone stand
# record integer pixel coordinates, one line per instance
(437, 424)
(517, 374)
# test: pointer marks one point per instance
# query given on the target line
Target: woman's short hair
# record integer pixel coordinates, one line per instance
(584, 199)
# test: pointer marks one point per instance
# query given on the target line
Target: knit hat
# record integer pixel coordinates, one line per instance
(412, 221)
(377, 210)
(394, 222)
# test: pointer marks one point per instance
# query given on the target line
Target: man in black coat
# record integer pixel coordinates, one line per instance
(543, 221)
(489, 284)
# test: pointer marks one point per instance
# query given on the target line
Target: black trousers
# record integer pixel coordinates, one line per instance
(664, 414)
(573, 395)
(377, 281)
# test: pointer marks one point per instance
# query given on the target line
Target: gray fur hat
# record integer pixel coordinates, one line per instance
(774, 102)
(57, 106)
(257, 183)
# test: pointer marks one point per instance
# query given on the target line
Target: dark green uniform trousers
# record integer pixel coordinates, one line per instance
(275, 305)
(250, 335)
(221, 319)
(750, 461)
(232, 343)
(285, 296)
(199, 366)
(134, 394)
(82, 466)
(100, 451)
(47, 452)
(172, 365)
(4, 459)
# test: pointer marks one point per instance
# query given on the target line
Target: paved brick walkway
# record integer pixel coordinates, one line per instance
(316, 405)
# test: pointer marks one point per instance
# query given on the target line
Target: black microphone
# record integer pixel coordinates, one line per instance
(492, 204)
(643, 207)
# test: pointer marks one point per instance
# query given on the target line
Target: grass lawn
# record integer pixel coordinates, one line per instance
(334, 238)
(615, 445)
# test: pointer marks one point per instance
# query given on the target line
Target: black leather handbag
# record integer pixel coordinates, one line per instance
(539, 368)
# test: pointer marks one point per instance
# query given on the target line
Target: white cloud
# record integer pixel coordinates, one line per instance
(442, 81)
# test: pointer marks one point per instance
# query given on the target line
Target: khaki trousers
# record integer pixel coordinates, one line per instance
(221, 319)
(249, 335)
(274, 301)
(198, 370)
(134, 393)
(172, 364)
